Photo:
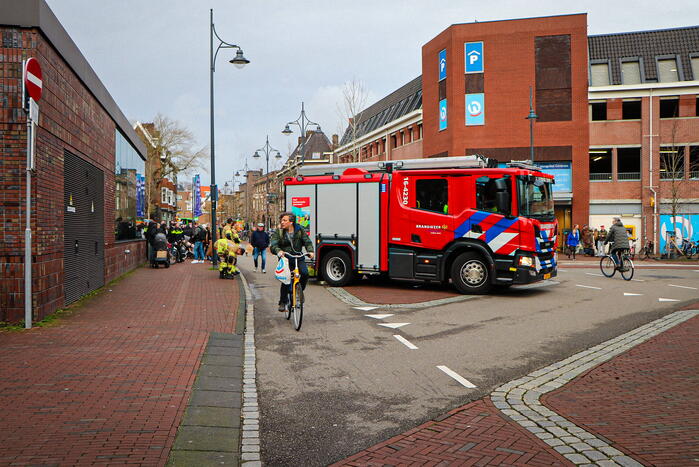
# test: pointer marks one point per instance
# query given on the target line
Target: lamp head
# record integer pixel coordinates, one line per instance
(278, 156)
(256, 155)
(239, 60)
(286, 130)
(318, 130)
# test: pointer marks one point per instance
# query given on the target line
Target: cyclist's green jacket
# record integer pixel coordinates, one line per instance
(291, 243)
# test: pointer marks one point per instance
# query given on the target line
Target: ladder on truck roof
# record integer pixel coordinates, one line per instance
(475, 161)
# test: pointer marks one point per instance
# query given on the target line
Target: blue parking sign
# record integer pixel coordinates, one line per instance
(475, 109)
(473, 57)
(442, 114)
(442, 64)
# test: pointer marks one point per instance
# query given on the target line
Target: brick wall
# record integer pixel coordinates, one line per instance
(71, 119)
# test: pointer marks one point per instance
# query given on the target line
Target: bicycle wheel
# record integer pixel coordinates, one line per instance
(298, 307)
(607, 266)
(626, 268)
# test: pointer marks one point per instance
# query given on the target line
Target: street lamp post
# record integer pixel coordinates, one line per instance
(239, 61)
(531, 117)
(301, 122)
(267, 149)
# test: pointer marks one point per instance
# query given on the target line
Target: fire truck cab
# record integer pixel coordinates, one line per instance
(458, 219)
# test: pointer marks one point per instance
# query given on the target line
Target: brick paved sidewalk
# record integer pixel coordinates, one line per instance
(109, 384)
(643, 402)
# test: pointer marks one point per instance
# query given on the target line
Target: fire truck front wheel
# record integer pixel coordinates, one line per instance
(337, 268)
(470, 274)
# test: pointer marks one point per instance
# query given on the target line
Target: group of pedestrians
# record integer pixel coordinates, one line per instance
(592, 242)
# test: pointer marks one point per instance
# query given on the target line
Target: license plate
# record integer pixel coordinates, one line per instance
(547, 276)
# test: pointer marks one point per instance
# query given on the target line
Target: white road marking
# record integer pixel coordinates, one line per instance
(379, 316)
(393, 325)
(627, 294)
(638, 280)
(588, 287)
(536, 285)
(365, 308)
(667, 300)
(463, 381)
(594, 274)
(405, 341)
(682, 286)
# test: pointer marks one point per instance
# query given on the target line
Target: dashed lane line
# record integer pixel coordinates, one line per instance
(365, 308)
(594, 274)
(393, 325)
(682, 286)
(405, 342)
(667, 300)
(588, 287)
(460, 379)
(628, 294)
(384, 316)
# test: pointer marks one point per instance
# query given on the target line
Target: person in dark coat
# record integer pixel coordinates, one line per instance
(259, 242)
(618, 236)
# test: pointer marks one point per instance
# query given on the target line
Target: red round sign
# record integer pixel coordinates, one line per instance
(32, 78)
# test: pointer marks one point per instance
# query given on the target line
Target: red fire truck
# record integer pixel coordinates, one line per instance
(453, 218)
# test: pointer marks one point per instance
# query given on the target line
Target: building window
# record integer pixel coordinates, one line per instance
(598, 110)
(631, 109)
(630, 72)
(600, 165)
(129, 203)
(694, 162)
(315, 155)
(669, 107)
(628, 164)
(695, 67)
(671, 162)
(393, 141)
(419, 127)
(163, 195)
(432, 195)
(667, 70)
(599, 74)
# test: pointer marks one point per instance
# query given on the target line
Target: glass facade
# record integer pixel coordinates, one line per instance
(129, 202)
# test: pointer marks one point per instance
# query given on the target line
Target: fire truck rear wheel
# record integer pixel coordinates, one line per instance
(337, 268)
(470, 274)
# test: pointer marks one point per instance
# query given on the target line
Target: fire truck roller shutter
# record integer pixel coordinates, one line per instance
(337, 209)
(368, 239)
(301, 200)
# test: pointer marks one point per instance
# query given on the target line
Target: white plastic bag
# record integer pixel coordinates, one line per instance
(282, 271)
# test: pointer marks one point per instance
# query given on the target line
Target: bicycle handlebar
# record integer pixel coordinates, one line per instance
(296, 256)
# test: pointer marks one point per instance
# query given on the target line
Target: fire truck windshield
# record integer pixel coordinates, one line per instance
(535, 197)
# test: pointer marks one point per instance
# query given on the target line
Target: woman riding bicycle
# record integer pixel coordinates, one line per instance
(291, 239)
(618, 236)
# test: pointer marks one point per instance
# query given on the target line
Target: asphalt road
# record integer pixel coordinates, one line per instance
(345, 382)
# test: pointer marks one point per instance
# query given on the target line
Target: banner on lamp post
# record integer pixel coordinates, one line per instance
(196, 194)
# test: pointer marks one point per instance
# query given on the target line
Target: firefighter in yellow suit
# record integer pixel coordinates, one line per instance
(226, 249)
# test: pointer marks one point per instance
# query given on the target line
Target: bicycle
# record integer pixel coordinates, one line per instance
(296, 299)
(609, 266)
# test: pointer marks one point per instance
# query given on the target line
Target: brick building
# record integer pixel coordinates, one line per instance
(89, 166)
(618, 130)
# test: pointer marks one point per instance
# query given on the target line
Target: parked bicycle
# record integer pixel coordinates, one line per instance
(296, 299)
(617, 261)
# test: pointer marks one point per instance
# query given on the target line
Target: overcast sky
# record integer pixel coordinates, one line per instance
(153, 56)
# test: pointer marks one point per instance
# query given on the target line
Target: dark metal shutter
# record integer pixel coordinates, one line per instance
(83, 227)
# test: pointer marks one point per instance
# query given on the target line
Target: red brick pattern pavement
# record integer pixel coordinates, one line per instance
(110, 383)
(475, 434)
(645, 401)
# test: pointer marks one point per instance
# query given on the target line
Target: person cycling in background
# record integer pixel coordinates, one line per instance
(291, 238)
(618, 236)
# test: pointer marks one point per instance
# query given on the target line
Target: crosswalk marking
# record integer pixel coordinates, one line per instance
(405, 341)
(463, 381)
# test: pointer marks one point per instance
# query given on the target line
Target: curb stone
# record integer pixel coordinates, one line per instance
(250, 416)
(519, 399)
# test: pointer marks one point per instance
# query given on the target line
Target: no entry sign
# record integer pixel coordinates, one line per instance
(32, 78)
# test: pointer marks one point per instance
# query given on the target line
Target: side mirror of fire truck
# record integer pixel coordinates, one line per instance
(502, 196)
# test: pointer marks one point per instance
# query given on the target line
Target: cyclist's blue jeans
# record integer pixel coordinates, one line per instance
(285, 289)
(616, 255)
(260, 252)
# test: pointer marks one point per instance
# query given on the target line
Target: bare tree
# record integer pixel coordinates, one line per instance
(172, 152)
(354, 98)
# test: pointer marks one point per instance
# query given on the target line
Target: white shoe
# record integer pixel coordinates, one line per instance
(264, 272)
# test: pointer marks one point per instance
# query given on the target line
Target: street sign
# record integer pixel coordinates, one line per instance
(32, 78)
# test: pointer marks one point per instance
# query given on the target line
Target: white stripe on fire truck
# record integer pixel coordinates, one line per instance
(501, 240)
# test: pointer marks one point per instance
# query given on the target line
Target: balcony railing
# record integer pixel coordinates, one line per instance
(600, 177)
(694, 174)
(628, 176)
(667, 175)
